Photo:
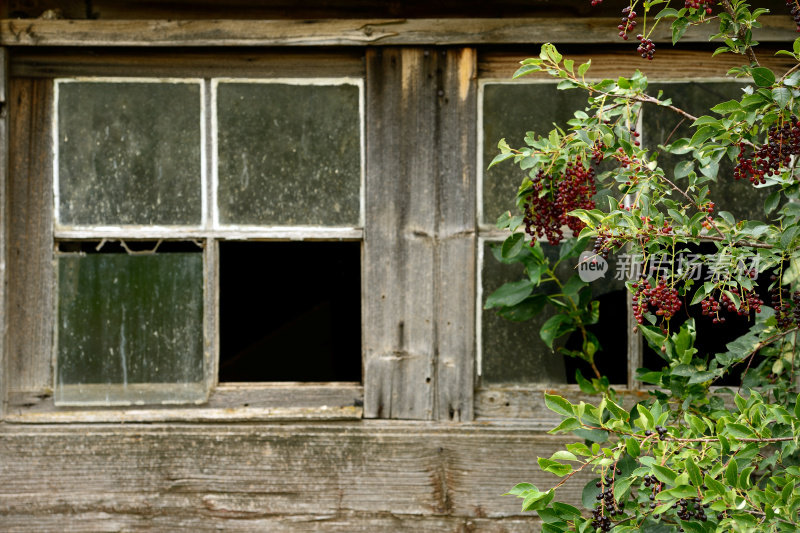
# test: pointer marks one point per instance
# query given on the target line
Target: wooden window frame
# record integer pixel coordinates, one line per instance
(421, 81)
(518, 402)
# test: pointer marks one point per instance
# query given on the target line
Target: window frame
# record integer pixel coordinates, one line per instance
(226, 401)
(525, 401)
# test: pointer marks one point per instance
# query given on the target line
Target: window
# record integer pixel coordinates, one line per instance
(174, 199)
(514, 365)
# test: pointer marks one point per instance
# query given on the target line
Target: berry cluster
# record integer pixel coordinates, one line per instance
(646, 48)
(782, 143)
(662, 298)
(606, 506)
(691, 508)
(661, 430)
(628, 22)
(597, 152)
(605, 243)
(556, 194)
(786, 306)
(699, 4)
(794, 11)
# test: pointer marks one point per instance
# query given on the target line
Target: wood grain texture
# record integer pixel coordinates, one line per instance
(399, 241)
(30, 304)
(312, 477)
(455, 245)
(344, 32)
(526, 404)
(669, 64)
(3, 224)
(256, 63)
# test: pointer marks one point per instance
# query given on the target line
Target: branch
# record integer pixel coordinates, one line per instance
(741, 33)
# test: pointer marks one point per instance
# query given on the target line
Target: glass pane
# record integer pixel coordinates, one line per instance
(129, 153)
(130, 328)
(289, 154)
(513, 352)
(697, 98)
(509, 111)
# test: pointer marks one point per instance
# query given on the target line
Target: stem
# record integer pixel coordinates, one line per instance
(741, 33)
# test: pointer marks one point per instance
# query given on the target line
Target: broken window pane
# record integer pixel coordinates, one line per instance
(129, 153)
(130, 328)
(289, 154)
(283, 318)
(509, 111)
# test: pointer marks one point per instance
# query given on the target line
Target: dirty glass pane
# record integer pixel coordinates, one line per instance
(737, 196)
(130, 328)
(288, 154)
(129, 153)
(513, 352)
(509, 111)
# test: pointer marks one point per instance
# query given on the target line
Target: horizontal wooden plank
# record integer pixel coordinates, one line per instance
(247, 475)
(339, 522)
(527, 403)
(669, 64)
(343, 32)
(228, 403)
(193, 63)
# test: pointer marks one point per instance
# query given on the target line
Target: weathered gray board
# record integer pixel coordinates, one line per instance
(418, 254)
(356, 476)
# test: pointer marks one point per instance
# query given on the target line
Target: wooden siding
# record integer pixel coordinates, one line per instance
(30, 305)
(4, 133)
(420, 234)
(345, 32)
(354, 477)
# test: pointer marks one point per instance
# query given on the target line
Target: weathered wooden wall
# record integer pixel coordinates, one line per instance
(360, 476)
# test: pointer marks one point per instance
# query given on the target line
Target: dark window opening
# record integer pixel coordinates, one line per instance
(290, 311)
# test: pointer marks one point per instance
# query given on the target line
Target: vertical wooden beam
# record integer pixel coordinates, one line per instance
(419, 249)
(30, 301)
(455, 258)
(400, 232)
(3, 225)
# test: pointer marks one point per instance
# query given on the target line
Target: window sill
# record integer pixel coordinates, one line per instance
(240, 402)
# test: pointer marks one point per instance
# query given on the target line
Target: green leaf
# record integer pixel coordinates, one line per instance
(554, 467)
(727, 107)
(499, 158)
(714, 485)
(510, 294)
(701, 376)
(683, 169)
(632, 447)
(555, 327)
(732, 473)
(583, 68)
(645, 418)
(694, 472)
(727, 217)
(782, 96)
(537, 500)
(563, 455)
(772, 202)
(513, 245)
(739, 431)
(621, 487)
(589, 492)
(593, 435)
(763, 76)
(559, 405)
(667, 12)
(664, 474)
(566, 425)
(679, 27)
(521, 488)
(525, 310)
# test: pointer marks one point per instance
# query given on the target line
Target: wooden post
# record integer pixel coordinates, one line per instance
(3, 227)
(419, 249)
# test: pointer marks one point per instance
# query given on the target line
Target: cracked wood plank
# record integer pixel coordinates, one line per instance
(4, 142)
(152, 476)
(344, 32)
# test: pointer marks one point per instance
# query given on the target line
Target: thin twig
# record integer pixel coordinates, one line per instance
(741, 33)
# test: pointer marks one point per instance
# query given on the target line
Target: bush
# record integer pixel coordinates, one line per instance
(695, 456)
